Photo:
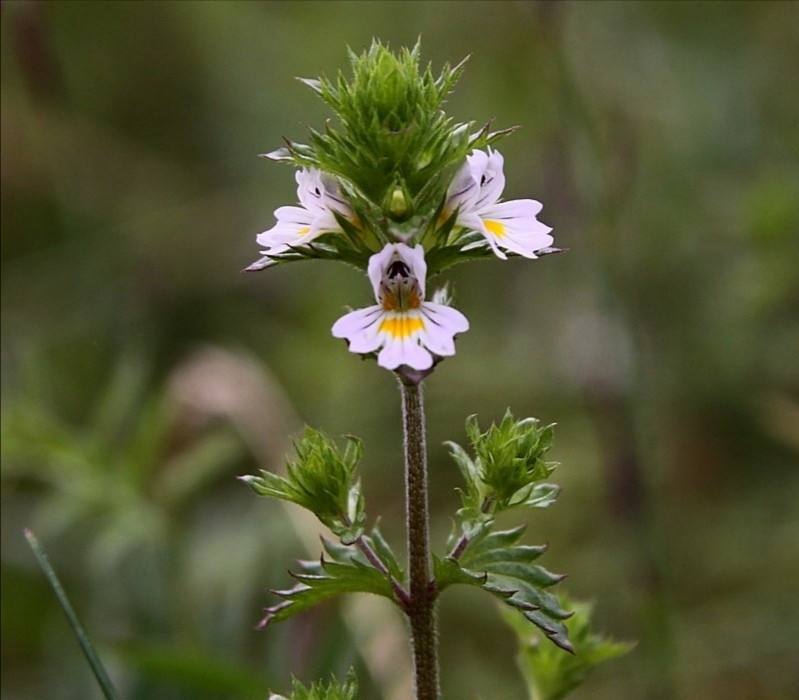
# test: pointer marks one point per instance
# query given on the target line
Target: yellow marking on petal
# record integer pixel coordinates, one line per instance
(401, 326)
(495, 227)
(303, 231)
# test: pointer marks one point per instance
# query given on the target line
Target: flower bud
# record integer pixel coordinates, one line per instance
(511, 458)
(397, 205)
(321, 479)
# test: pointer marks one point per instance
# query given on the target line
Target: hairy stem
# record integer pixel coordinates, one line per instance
(421, 604)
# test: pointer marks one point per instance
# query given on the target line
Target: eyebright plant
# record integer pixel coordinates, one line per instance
(399, 190)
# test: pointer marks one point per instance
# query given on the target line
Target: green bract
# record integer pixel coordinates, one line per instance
(507, 468)
(323, 480)
(393, 148)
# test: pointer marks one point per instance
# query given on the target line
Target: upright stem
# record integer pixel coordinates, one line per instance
(421, 604)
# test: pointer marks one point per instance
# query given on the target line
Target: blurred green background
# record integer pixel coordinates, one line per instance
(142, 372)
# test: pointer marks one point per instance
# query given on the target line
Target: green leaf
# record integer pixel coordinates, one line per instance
(550, 674)
(448, 571)
(345, 570)
(535, 496)
(488, 541)
(376, 541)
(495, 562)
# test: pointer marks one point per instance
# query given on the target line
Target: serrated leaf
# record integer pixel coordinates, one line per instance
(322, 580)
(493, 561)
(520, 553)
(525, 587)
(341, 569)
(469, 469)
(539, 607)
(448, 571)
(488, 541)
(550, 674)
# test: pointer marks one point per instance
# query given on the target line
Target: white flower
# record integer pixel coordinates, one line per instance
(321, 198)
(474, 194)
(406, 329)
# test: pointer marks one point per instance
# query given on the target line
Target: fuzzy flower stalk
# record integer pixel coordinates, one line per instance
(397, 189)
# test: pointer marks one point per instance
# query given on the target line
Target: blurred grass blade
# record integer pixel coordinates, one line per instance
(91, 655)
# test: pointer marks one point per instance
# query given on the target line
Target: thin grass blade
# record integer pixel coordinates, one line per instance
(91, 655)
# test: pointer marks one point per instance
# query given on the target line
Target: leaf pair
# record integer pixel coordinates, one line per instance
(505, 473)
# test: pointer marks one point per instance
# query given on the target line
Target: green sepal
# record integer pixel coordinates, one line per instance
(467, 247)
(551, 675)
(485, 137)
(348, 690)
(345, 570)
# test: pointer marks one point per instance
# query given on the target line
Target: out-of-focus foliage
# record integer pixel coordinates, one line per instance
(662, 139)
(551, 675)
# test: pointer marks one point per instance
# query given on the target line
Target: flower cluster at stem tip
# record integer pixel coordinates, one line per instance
(401, 191)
